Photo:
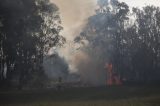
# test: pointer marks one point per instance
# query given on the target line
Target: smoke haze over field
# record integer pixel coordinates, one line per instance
(78, 43)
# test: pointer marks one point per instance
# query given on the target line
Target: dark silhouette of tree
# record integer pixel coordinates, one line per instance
(146, 43)
(29, 28)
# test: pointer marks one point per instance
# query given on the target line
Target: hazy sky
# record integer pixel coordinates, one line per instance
(140, 3)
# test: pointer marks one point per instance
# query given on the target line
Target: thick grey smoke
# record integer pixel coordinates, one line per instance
(89, 66)
(86, 61)
(74, 15)
(55, 66)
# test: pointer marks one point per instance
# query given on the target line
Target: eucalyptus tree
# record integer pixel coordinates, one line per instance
(29, 28)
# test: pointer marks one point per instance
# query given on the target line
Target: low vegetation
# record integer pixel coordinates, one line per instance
(100, 96)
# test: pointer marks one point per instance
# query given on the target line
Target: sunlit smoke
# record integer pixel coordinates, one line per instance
(74, 15)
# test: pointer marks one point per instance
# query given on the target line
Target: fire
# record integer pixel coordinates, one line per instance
(112, 77)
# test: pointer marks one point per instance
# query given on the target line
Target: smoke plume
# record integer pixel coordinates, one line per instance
(74, 15)
(85, 58)
(55, 67)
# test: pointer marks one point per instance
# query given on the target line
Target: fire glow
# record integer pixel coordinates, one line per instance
(112, 77)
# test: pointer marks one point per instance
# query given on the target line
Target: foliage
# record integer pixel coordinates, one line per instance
(128, 39)
(29, 28)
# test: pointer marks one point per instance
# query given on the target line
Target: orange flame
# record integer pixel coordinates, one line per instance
(112, 77)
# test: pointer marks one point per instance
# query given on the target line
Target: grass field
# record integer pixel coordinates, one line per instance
(99, 96)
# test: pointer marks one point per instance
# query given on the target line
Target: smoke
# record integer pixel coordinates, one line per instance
(74, 16)
(97, 50)
(87, 57)
(55, 67)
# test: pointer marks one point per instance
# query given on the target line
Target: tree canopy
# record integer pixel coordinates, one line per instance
(129, 39)
(28, 29)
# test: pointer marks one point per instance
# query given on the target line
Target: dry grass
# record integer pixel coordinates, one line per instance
(101, 96)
